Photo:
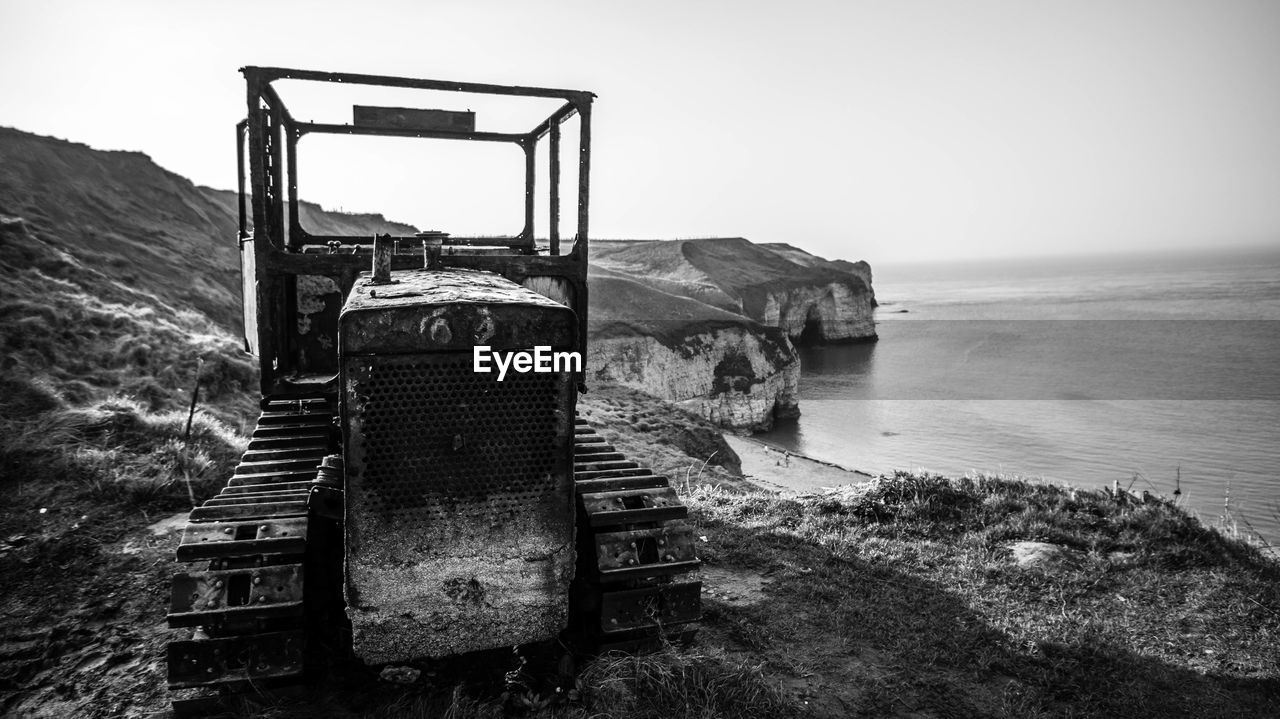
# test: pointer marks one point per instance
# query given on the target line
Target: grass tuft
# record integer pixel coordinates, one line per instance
(679, 684)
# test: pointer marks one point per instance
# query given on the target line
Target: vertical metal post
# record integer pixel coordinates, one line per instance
(553, 186)
(268, 342)
(241, 131)
(277, 171)
(257, 173)
(584, 175)
(580, 246)
(530, 145)
(292, 197)
(431, 247)
(383, 251)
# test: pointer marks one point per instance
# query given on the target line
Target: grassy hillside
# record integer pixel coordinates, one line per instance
(320, 221)
(123, 215)
(78, 334)
(138, 223)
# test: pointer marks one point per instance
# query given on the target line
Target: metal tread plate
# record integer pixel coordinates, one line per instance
(203, 598)
(657, 605)
(632, 506)
(303, 464)
(226, 498)
(208, 540)
(206, 662)
(259, 510)
(262, 488)
(641, 553)
(306, 451)
(271, 478)
(612, 484)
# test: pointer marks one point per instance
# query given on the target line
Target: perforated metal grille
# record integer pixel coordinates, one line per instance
(440, 441)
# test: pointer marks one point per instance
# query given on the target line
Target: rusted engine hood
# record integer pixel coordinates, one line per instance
(450, 310)
(459, 487)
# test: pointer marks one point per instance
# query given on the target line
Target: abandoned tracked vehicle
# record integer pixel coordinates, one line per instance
(393, 501)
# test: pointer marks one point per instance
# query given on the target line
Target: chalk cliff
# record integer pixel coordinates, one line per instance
(811, 299)
(794, 254)
(725, 367)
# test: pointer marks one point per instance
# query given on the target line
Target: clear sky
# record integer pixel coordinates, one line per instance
(889, 131)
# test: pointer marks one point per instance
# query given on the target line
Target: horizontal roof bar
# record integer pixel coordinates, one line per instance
(270, 74)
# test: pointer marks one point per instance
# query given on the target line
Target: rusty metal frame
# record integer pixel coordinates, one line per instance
(280, 243)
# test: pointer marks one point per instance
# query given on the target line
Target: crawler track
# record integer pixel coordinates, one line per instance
(263, 592)
(259, 580)
(637, 566)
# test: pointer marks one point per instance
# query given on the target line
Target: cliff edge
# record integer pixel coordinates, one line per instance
(811, 299)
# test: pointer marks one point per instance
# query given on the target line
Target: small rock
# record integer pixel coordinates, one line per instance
(400, 675)
(172, 523)
(1043, 555)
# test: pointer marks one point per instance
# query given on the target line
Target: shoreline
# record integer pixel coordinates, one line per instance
(775, 468)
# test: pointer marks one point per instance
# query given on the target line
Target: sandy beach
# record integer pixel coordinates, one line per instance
(776, 469)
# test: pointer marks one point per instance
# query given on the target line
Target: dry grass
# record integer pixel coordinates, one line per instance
(83, 336)
(681, 684)
(671, 683)
(117, 450)
(904, 589)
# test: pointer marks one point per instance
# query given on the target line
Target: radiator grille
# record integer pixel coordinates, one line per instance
(440, 442)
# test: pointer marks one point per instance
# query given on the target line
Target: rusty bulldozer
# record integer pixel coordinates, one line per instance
(394, 502)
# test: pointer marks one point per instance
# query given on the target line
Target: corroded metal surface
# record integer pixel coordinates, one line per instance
(236, 659)
(466, 308)
(459, 514)
(317, 302)
(200, 598)
(643, 607)
(413, 118)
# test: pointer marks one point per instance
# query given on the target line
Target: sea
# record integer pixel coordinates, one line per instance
(1158, 373)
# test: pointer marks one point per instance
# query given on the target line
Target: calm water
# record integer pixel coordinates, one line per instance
(1076, 371)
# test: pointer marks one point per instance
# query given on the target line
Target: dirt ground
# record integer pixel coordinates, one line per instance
(82, 611)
